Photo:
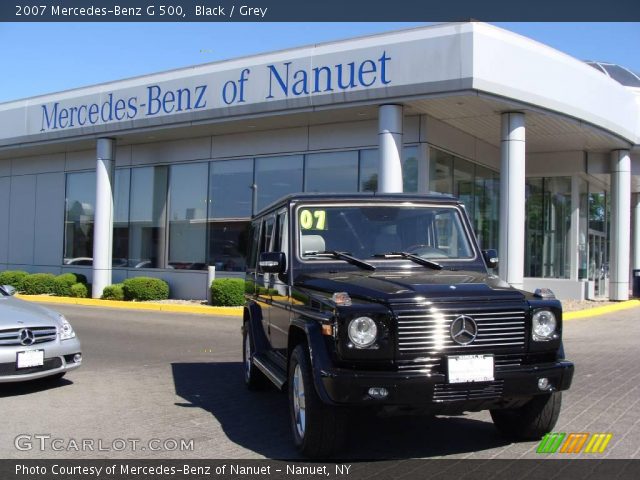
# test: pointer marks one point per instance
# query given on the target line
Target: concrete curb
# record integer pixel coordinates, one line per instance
(158, 307)
(592, 312)
(237, 311)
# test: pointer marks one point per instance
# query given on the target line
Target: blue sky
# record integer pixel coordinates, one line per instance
(40, 58)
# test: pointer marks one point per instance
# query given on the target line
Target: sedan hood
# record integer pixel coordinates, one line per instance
(402, 286)
(16, 313)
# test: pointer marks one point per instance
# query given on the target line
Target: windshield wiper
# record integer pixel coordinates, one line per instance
(413, 258)
(344, 256)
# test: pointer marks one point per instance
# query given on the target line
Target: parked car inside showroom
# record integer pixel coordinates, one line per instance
(35, 342)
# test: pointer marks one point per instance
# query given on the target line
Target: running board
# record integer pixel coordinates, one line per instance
(271, 371)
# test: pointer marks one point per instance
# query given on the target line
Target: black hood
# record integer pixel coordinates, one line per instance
(402, 286)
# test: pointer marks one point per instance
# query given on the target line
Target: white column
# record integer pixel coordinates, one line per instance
(620, 225)
(512, 198)
(103, 220)
(390, 145)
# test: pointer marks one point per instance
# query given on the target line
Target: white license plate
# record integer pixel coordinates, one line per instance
(30, 358)
(470, 368)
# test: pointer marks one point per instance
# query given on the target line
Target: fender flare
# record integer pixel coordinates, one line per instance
(320, 360)
(252, 320)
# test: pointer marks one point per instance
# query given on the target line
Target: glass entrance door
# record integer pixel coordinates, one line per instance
(598, 266)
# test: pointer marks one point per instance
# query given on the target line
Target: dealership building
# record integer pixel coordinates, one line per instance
(159, 175)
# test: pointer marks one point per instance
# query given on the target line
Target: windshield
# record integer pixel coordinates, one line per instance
(370, 231)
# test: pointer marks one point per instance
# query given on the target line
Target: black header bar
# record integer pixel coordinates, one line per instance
(318, 10)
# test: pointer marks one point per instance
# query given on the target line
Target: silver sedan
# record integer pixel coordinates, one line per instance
(35, 342)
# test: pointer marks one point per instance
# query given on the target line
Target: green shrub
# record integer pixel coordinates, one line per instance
(113, 292)
(78, 290)
(77, 277)
(145, 288)
(13, 278)
(228, 292)
(40, 283)
(64, 283)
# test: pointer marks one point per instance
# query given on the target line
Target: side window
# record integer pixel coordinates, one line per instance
(280, 242)
(267, 234)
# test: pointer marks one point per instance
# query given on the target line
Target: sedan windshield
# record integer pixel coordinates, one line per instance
(383, 232)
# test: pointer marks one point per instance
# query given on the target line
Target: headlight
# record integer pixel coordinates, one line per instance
(543, 325)
(65, 329)
(363, 332)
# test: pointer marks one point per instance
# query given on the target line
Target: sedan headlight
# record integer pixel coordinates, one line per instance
(363, 332)
(543, 325)
(65, 329)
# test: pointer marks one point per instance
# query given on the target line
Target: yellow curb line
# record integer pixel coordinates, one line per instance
(592, 312)
(162, 307)
(237, 311)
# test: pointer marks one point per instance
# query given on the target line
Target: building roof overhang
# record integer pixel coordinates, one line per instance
(465, 74)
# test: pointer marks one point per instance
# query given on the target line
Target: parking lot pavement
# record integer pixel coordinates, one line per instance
(151, 380)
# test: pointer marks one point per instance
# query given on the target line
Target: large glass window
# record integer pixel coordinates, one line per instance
(121, 217)
(486, 211)
(331, 172)
(441, 171)
(277, 177)
(548, 222)
(230, 194)
(147, 217)
(187, 215)
(476, 186)
(228, 245)
(410, 169)
(368, 170)
(79, 216)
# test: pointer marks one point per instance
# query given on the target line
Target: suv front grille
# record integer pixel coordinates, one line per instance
(451, 392)
(11, 336)
(426, 330)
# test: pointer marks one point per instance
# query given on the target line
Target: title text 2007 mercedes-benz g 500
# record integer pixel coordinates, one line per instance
(384, 302)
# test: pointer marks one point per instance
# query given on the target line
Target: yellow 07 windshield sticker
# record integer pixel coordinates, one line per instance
(313, 219)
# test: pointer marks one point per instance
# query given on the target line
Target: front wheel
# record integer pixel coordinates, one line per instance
(253, 377)
(531, 421)
(318, 429)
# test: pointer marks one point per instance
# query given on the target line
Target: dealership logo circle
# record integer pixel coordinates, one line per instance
(464, 330)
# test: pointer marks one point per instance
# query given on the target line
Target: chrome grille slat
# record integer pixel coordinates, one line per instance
(427, 330)
(9, 337)
(451, 392)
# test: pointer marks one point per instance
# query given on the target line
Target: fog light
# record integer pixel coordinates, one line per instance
(77, 358)
(543, 383)
(378, 392)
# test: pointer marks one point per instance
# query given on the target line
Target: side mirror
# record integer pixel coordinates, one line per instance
(272, 262)
(490, 258)
(9, 290)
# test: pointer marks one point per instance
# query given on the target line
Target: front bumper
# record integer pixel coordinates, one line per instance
(431, 391)
(58, 358)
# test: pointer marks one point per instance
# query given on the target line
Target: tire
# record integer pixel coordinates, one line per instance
(531, 421)
(254, 379)
(318, 429)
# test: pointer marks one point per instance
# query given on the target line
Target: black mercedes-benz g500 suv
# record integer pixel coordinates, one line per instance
(384, 302)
